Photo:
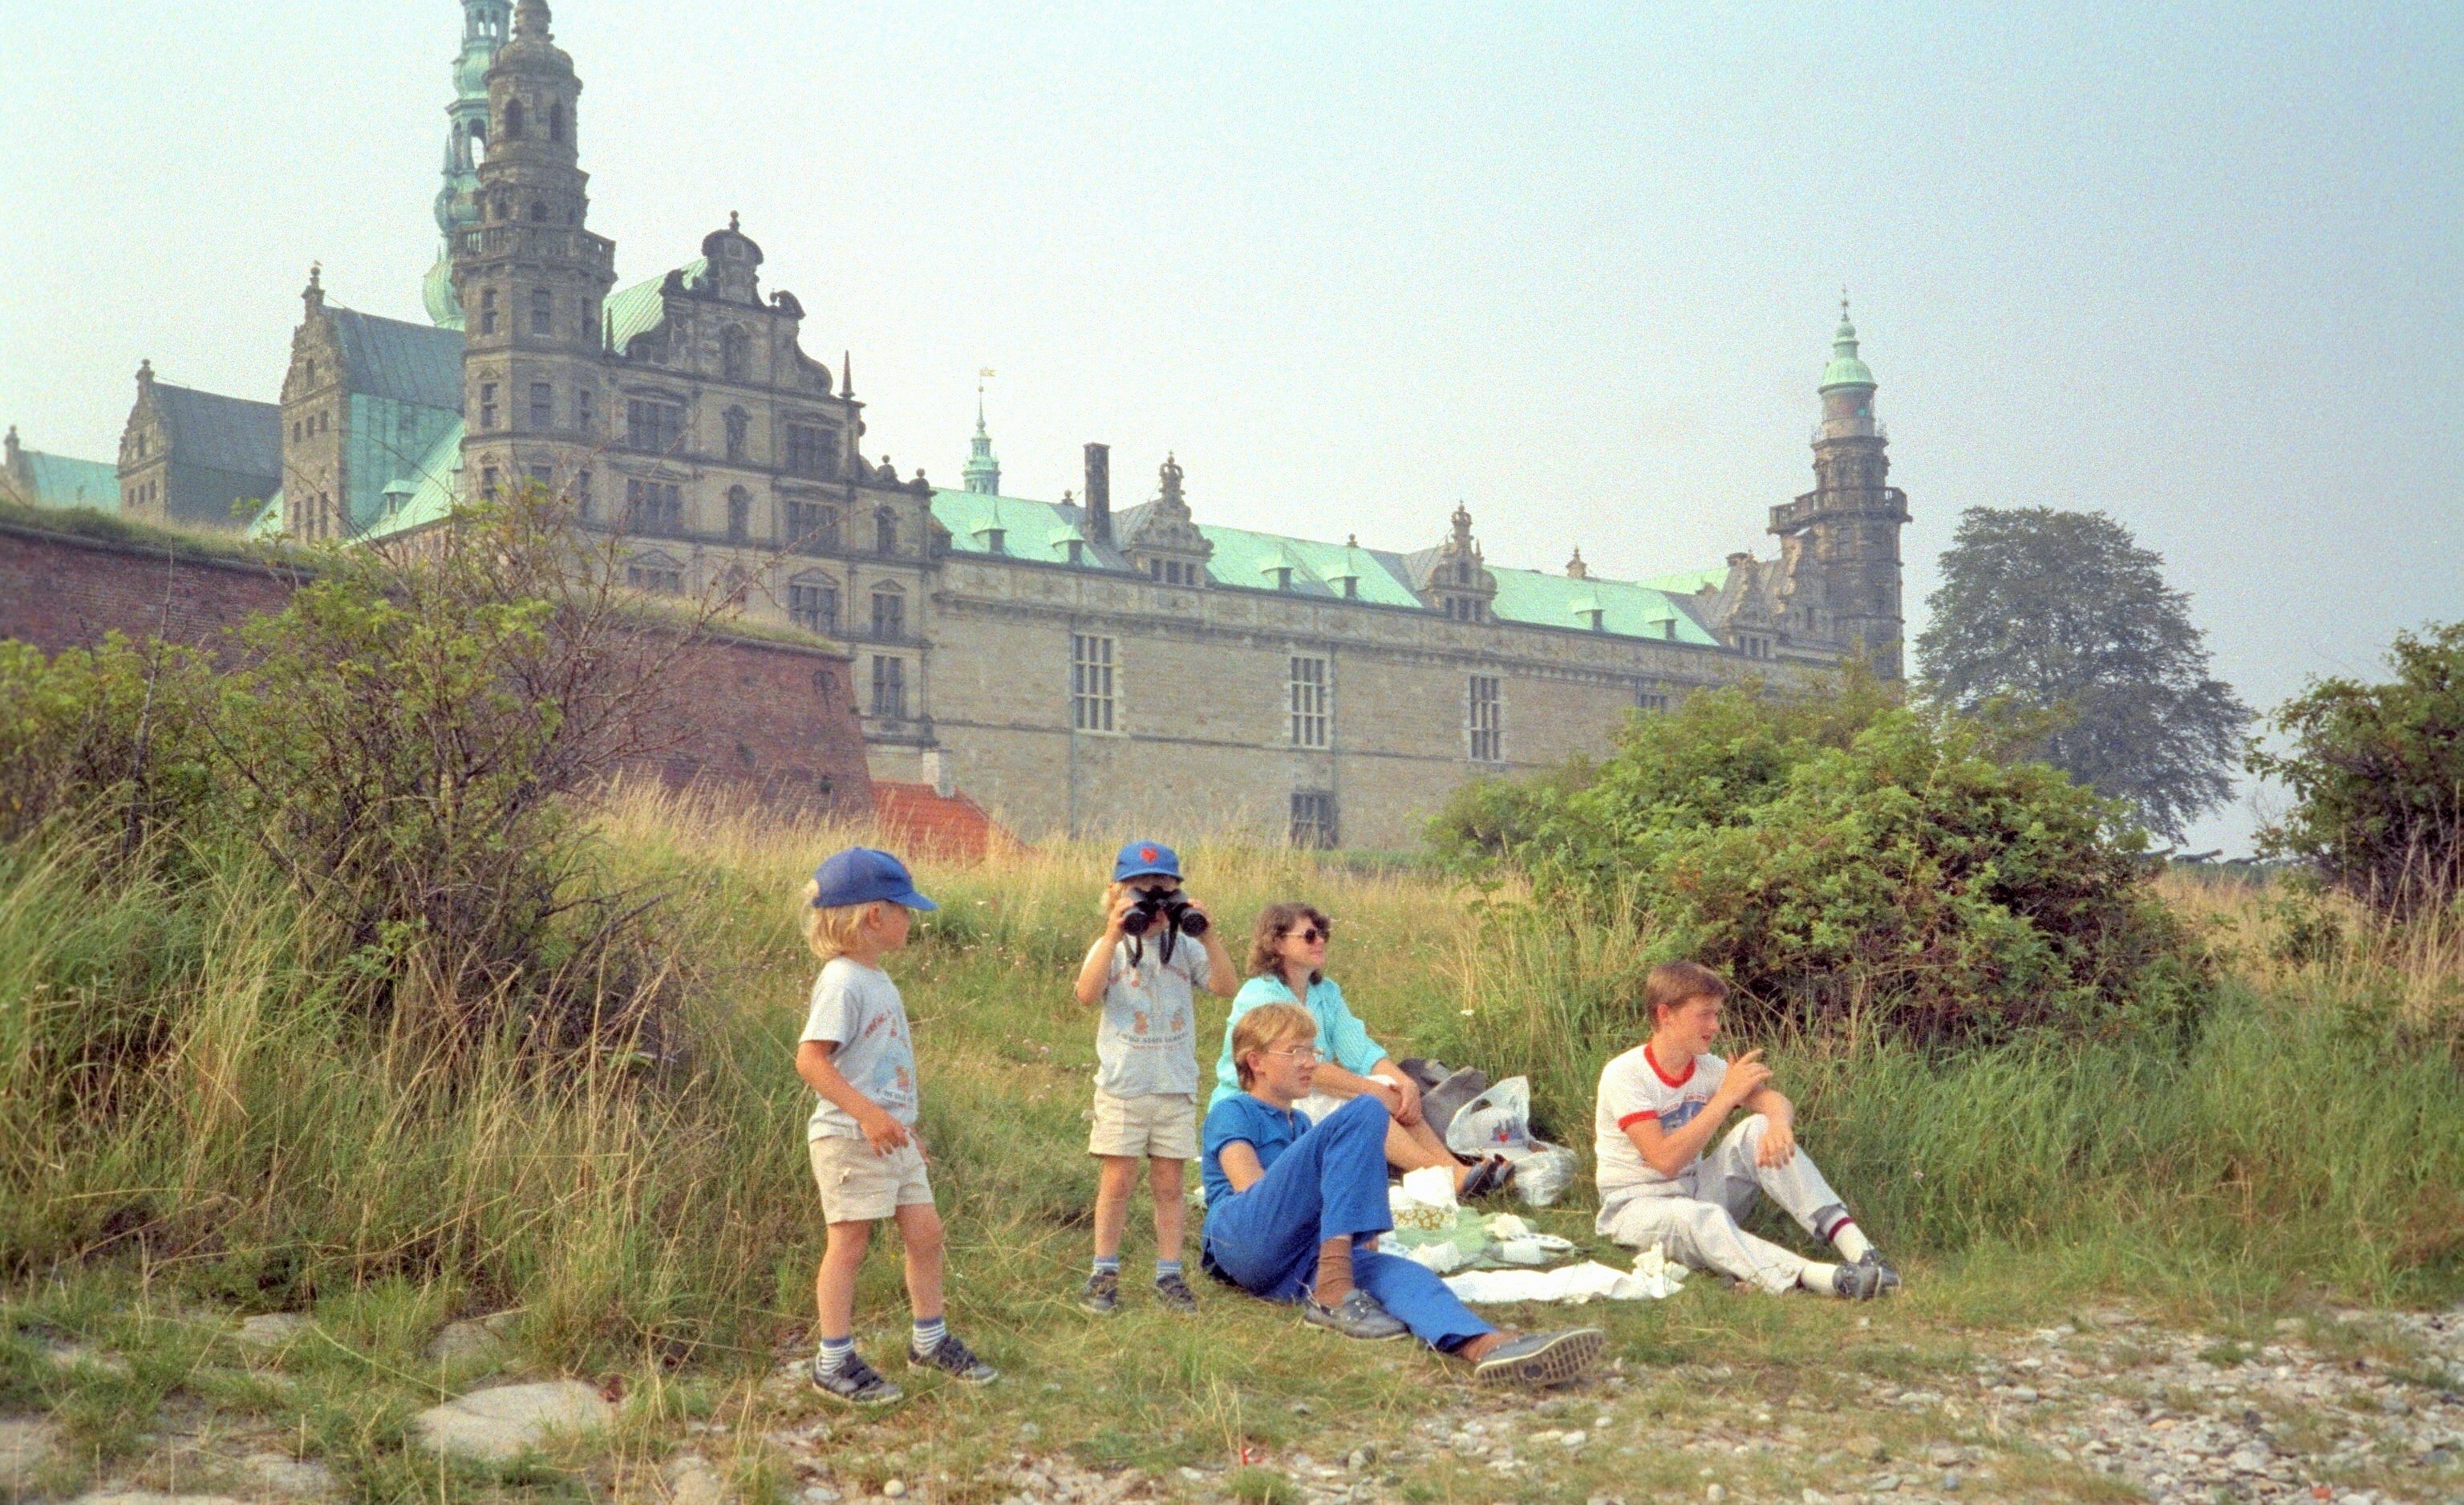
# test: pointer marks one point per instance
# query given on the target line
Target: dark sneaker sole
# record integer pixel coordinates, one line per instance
(893, 1395)
(1357, 1337)
(1111, 1308)
(929, 1366)
(1569, 1355)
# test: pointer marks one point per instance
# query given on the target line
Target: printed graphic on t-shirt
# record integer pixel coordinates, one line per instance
(1633, 1088)
(1145, 1039)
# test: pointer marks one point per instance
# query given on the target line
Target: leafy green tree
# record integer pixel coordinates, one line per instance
(2377, 776)
(2064, 612)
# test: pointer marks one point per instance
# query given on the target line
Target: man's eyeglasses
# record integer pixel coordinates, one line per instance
(1298, 1053)
(1312, 934)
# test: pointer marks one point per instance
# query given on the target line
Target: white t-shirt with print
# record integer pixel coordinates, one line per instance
(857, 1008)
(1633, 1087)
(1145, 1040)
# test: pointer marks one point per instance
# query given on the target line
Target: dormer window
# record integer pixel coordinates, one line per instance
(1282, 576)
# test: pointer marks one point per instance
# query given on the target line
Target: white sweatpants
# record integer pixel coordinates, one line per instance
(1695, 1220)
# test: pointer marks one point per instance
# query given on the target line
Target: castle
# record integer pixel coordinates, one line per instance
(1072, 666)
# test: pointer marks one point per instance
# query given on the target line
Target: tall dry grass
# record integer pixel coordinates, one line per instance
(184, 1092)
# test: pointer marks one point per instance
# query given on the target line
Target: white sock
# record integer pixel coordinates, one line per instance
(1820, 1279)
(1851, 1241)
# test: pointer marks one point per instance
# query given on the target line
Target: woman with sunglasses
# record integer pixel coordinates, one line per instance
(1288, 965)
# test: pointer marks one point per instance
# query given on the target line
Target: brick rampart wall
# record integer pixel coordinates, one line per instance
(773, 721)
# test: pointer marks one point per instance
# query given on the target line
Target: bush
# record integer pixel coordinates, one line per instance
(1846, 860)
(2377, 775)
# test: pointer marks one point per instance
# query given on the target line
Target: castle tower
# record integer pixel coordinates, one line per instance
(982, 472)
(530, 278)
(484, 24)
(1841, 540)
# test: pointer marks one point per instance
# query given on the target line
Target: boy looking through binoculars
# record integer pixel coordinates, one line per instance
(1156, 948)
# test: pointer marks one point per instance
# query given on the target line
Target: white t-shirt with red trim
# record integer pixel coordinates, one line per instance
(1633, 1087)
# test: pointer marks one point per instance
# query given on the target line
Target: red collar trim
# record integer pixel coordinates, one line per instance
(1673, 1082)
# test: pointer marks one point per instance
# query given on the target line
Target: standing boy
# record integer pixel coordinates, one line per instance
(1659, 1105)
(1146, 1053)
(856, 1055)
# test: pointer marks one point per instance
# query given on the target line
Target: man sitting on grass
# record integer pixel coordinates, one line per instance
(1659, 1105)
(1293, 1211)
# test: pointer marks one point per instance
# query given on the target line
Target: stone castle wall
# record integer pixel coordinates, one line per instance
(742, 718)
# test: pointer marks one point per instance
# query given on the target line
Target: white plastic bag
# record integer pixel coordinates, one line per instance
(1543, 1171)
(1496, 1121)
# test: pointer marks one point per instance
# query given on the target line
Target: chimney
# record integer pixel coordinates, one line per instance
(1099, 493)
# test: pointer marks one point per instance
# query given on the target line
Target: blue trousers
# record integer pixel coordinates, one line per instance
(1331, 1183)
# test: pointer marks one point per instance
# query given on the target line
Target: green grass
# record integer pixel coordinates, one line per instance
(208, 1133)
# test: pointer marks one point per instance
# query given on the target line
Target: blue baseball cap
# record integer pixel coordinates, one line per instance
(863, 876)
(1146, 859)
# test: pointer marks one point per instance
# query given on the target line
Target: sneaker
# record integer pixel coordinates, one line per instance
(1858, 1282)
(1101, 1294)
(956, 1360)
(1888, 1284)
(856, 1383)
(1539, 1359)
(1356, 1315)
(1174, 1292)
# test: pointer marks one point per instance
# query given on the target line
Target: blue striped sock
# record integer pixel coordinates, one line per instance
(929, 1334)
(1167, 1267)
(1107, 1264)
(835, 1353)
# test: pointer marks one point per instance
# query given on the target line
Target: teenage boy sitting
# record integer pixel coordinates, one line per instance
(1661, 1103)
(1146, 1064)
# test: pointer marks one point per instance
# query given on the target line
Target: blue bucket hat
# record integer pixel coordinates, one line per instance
(863, 876)
(1146, 859)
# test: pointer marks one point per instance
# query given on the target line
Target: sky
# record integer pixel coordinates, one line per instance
(2200, 268)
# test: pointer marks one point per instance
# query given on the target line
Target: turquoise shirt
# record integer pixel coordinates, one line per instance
(1341, 1038)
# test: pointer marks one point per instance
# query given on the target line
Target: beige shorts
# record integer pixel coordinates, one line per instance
(859, 1186)
(1162, 1125)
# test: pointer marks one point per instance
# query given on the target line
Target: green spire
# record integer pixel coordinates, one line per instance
(982, 472)
(484, 25)
(1845, 369)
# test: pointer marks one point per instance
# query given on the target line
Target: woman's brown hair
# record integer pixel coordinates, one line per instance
(1275, 922)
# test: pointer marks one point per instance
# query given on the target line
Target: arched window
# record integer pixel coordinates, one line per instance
(885, 532)
(538, 212)
(512, 130)
(888, 614)
(556, 123)
(739, 514)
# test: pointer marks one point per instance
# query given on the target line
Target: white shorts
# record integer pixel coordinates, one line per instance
(1160, 1125)
(860, 1186)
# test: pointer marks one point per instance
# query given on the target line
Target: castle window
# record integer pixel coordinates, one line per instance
(487, 482)
(582, 501)
(538, 212)
(1307, 696)
(657, 576)
(513, 128)
(295, 430)
(655, 507)
(487, 407)
(889, 688)
(739, 424)
(1282, 576)
(739, 514)
(1646, 698)
(735, 353)
(1312, 819)
(811, 527)
(1484, 719)
(543, 309)
(543, 405)
(487, 310)
(1090, 682)
(1077, 552)
(889, 615)
(556, 123)
(812, 450)
(813, 604)
(885, 532)
(656, 427)
(585, 410)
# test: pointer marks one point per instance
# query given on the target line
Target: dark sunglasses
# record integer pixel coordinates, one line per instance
(1325, 932)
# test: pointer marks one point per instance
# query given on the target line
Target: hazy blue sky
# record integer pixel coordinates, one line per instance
(1574, 265)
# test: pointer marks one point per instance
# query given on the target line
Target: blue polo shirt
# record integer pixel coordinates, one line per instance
(1266, 1129)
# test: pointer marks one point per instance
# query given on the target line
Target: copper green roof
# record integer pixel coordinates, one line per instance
(637, 310)
(59, 481)
(1845, 369)
(1244, 560)
(424, 492)
(406, 362)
